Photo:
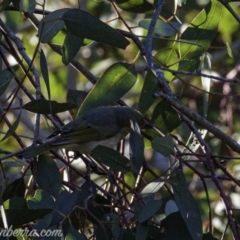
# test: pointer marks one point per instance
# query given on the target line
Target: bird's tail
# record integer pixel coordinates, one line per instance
(34, 151)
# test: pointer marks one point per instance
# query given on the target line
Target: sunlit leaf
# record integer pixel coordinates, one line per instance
(27, 6)
(168, 57)
(206, 82)
(51, 25)
(201, 31)
(84, 25)
(136, 6)
(114, 83)
(152, 187)
(229, 50)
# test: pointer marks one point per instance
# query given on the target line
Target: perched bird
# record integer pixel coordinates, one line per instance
(99, 126)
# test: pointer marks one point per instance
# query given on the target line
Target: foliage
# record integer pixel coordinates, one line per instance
(174, 61)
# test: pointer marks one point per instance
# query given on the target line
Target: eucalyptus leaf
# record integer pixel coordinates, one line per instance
(51, 25)
(73, 234)
(162, 28)
(5, 76)
(149, 207)
(136, 148)
(43, 106)
(163, 145)
(150, 86)
(19, 217)
(168, 58)
(44, 70)
(165, 117)
(111, 158)
(84, 25)
(201, 31)
(47, 175)
(71, 47)
(27, 6)
(4, 4)
(114, 83)
(188, 207)
(142, 231)
(12, 128)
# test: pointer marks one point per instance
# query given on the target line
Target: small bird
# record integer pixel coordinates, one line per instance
(99, 126)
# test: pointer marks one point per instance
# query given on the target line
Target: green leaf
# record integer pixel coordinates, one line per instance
(111, 158)
(14, 189)
(84, 25)
(75, 97)
(42, 106)
(173, 227)
(206, 82)
(152, 187)
(4, 4)
(208, 236)
(165, 117)
(12, 128)
(150, 86)
(136, 148)
(114, 83)
(142, 231)
(71, 47)
(63, 209)
(229, 50)
(147, 207)
(44, 70)
(163, 145)
(47, 175)
(51, 25)
(162, 28)
(201, 31)
(16, 203)
(73, 234)
(188, 207)
(135, 6)
(5, 76)
(27, 6)
(18, 217)
(168, 58)
(189, 65)
(42, 200)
